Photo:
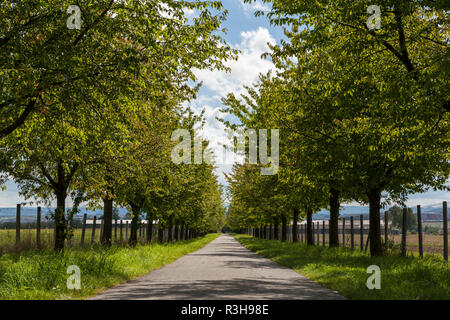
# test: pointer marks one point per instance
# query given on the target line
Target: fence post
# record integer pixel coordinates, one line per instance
(126, 231)
(121, 230)
(367, 243)
(444, 214)
(83, 229)
(318, 233)
(38, 228)
(361, 231)
(343, 232)
(352, 234)
(102, 227)
(312, 232)
(115, 230)
(94, 224)
(419, 230)
(323, 233)
(405, 212)
(18, 224)
(386, 228)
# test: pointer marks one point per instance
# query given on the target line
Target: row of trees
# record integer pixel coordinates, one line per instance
(88, 114)
(363, 113)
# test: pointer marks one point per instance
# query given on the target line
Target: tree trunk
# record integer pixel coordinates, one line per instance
(107, 221)
(376, 248)
(60, 218)
(160, 233)
(283, 228)
(149, 227)
(334, 218)
(294, 225)
(182, 232)
(270, 232)
(176, 232)
(275, 230)
(170, 233)
(134, 225)
(309, 233)
(265, 232)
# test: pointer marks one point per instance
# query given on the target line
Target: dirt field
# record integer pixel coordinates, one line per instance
(431, 243)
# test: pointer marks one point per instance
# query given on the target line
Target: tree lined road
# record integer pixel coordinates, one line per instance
(223, 269)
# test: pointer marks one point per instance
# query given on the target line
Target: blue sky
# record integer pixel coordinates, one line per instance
(249, 34)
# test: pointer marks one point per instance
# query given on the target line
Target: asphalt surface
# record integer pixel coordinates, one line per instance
(222, 270)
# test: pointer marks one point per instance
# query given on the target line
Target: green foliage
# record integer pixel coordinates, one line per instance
(89, 113)
(362, 113)
(395, 215)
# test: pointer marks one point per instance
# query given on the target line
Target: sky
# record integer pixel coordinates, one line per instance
(250, 35)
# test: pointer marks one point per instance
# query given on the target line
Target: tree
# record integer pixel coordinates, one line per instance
(395, 216)
(80, 92)
(40, 56)
(362, 91)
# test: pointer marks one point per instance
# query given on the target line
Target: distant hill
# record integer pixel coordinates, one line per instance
(431, 213)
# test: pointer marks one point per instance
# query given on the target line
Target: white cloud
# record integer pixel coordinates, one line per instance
(246, 69)
(250, 8)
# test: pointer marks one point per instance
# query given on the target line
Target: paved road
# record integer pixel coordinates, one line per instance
(223, 269)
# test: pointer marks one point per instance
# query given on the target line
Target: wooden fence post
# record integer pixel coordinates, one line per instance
(115, 230)
(312, 232)
(318, 233)
(83, 229)
(18, 224)
(352, 234)
(361, 231)
(323, 233)
(343, 232)
(445, 218)
(121, 230)
(405, 215)
(126, 231)
(386, 228)
(367, 242)
(94, 225)
(419, 230)
(102, 227)
(38, 228)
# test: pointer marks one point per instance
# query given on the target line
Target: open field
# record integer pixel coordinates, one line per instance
(344, 270)
(431, 243)
(28, 239)
(43, 274)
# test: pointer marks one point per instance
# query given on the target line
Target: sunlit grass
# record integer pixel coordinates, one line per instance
(43, 274)
(345, 271)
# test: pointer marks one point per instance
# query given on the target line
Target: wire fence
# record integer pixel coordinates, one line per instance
(17, 236)
(428, 237)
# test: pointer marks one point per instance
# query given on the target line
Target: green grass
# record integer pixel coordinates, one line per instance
(43, 274)
(344, 270)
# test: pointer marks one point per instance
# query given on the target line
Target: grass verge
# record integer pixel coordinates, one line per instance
(345, 271)
(43, 274)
